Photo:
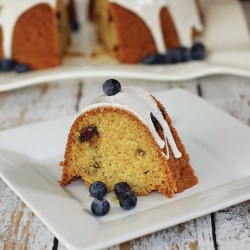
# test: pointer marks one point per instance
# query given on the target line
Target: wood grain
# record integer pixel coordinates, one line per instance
(19, 227)
(231, 94)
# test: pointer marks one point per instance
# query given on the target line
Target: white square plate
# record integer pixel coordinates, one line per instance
(218, 145)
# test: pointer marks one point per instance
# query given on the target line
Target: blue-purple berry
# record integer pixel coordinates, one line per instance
(22, 68)
(100, 207)
(173, 56)
(74, 25)
(98, 189)
(127, 200)
(120, 188)
(152, 59)
(7, 65)
(186, 54)
(111, 87)
(198, 51)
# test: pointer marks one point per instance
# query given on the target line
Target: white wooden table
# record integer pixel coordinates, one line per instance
(21, 229)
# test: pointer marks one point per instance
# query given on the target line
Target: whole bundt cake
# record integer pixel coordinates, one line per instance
(127, 135)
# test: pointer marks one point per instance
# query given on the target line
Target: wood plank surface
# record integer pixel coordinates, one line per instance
(19, 227)
(231, 94)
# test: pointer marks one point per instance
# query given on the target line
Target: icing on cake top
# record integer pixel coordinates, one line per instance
(183, 12)
(11, 10)
(142, 105)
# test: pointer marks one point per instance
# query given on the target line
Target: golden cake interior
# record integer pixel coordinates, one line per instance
(123, 150)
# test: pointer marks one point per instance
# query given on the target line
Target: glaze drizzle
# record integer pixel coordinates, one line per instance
(140, 103)
(184, 14)
(11, 10)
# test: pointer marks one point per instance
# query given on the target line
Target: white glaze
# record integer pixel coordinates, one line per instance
(11, 10)
(184, 14)
(141, 104)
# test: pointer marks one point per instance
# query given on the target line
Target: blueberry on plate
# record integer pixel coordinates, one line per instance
(7, 65)
(127, 200)
(120, 188)
(22, 68)
(185, 54)
(152, 59)
(111, 87)
(198, 51)
(74, 25)
(173, 56)
(98, 189)
(100, 207)
(87, 133)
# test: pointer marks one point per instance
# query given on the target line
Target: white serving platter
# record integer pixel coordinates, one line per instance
(218, 145)
(226, 37)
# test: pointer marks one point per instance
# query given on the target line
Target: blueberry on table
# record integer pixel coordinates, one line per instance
(22, 68)
(98, 189)
(111, 87)
(120, 188)
(127, 200)
(7, 65)
(198, 51)
(100, 207)
(87, 133)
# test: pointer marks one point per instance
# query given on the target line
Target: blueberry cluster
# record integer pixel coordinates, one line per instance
(178, 55)
(100, 206)
(7, 65)
(127, 199)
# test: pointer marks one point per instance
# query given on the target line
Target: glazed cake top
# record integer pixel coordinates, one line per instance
(11, 10)
(184, 13)
(140, 103)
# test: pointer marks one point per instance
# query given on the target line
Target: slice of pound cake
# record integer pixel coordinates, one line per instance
(126, 135)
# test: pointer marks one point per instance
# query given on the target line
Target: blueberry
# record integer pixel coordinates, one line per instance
(168, 58)
(100, 207)
(7, 65)
(111, 87)
(198, 51)
(173, 56)
(22, 68)
(120, 188)
(87, 133)
(127, 200)
(185, 54)
(154, 59)
(74, 25)
(150, 59)
(98, 189)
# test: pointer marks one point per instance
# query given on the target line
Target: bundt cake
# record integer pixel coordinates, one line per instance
(35, 33)
(127, 135)
(134, 29)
